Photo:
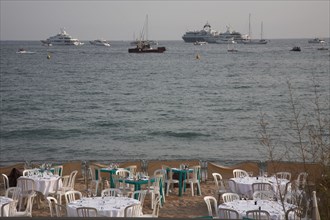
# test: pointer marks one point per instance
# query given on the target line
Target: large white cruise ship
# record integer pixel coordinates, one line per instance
(211, 36)
(202, 35)
(62, 38)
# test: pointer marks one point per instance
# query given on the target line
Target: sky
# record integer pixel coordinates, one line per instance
(167, 20)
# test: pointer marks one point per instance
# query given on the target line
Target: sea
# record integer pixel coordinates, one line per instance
(190, 102)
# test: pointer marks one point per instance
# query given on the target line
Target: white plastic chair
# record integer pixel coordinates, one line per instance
(194, 179)
(27, 186)
(228, 214)
(86, 212)
(5, 181)
(283, 175)
(229, 197)
(110, 192)
(219, 185)
(302, 180)
(72, 196)
(28, 209)
(133, 211)
(132, 169)
(209, 200)
(58, 170)
(96, 177)
(169, 181)
(164, 174)
(155, 211)
(258, 214)
(13, 193)
(51, 204)
(139, 195)
(238, 173)
(263, 195)
(154, 188)
(262, 187)
(30, 172)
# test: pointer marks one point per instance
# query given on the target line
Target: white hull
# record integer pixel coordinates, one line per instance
(100, 43)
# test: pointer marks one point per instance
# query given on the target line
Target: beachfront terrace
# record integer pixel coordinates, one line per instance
(176, 205)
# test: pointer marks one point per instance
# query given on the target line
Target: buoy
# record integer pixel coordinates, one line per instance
(197, 57)
(48, 56)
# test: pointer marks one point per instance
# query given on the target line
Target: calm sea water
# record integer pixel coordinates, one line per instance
(98, 103)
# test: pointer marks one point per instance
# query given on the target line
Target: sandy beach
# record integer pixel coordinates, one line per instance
(186, 206)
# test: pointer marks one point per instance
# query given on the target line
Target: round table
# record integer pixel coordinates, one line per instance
(244, 184)
(106, 206)
(44, 183)
(274, 208)
(4, 200)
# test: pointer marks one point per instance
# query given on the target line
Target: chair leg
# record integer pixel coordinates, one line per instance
(192, 189)
(152, 200)
(167, 188)
(199, 188)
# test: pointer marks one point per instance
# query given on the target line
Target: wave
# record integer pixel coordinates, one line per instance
(40, 134)
(179, 134)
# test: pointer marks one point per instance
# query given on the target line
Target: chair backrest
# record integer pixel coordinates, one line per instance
(219, 184)
(229, 197)
(86, 212)
(27, 185)
(29, 172)
(263, 195)
(3, 207)
(294, 214)
(57, 185)
(262, 187)
(160, 172)
(95, 172)
(51, 204)
(58, 170)
(13, 193)
(283, 175)
(155, 185)
(237, 173)
(302, 180)
(228, 214)
(72, 195)
(132, 169)
(209, 200)
(111, 192)
(139, 195)
(72, 179)
(119, 182)
(60, 210)
(133, 210)
(258, 214)
(5, 181)
(195, 175)
(123, 173)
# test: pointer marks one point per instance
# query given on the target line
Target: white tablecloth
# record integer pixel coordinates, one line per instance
(274, 208)
(4, 200)
(244, 185)
(45, 184)
(107, 206)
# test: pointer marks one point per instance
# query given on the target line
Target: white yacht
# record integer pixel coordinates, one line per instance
(100, 42)
(202, 35)
(228, 37)
(316, 41)
(62, 38)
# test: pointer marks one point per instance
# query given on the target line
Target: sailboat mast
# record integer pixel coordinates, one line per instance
(147, 28)
(262, 30)
(250, 26)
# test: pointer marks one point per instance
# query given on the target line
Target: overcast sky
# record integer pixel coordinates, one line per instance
(168, 20)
